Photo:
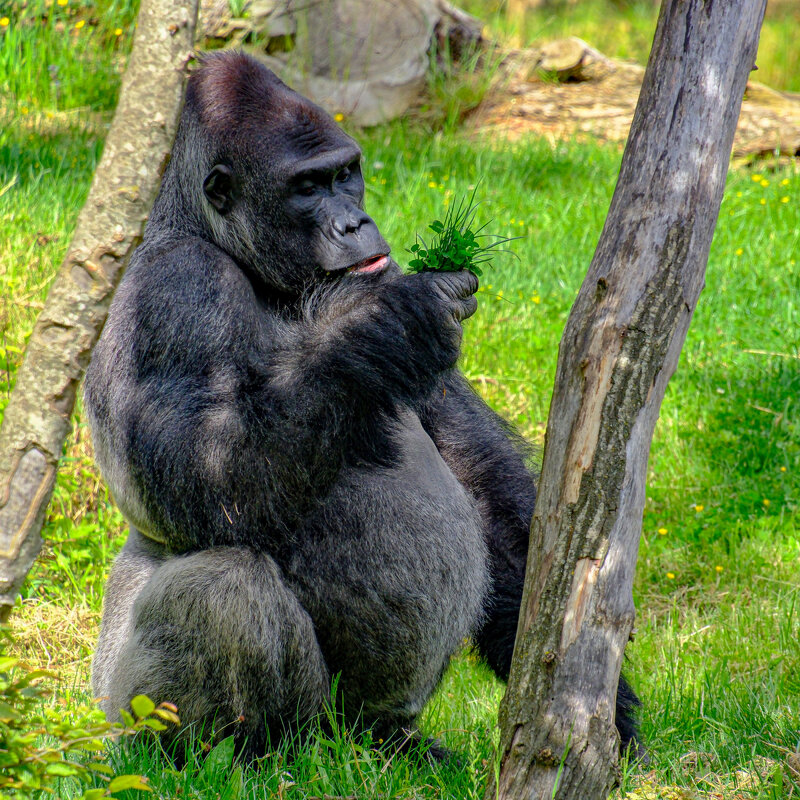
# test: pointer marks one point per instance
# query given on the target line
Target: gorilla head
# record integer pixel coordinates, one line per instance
(270, 178)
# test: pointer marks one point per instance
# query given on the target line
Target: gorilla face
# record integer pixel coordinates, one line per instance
(285, 193)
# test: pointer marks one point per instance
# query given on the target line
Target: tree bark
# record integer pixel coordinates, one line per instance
(37, 417)
(620, 347)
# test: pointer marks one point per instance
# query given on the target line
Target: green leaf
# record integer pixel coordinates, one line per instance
(142, 706)
(94, 794)
(123, 782)
(220, 758)
(62, 769)
(127, 718)
(169, 716)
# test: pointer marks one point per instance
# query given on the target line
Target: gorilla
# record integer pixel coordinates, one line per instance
(313, 488)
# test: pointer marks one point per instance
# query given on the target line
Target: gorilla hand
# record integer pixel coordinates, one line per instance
(449, 298)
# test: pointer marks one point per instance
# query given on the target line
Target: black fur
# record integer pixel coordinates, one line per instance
(312, 486)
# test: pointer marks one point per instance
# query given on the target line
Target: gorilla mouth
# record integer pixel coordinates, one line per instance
(371, 264)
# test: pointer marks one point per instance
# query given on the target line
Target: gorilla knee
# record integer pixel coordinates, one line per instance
(220, 635)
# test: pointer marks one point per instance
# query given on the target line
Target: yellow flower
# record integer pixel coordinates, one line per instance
(663, 531)
(24, 109)
(718, 568)
(766, 502)
(756, 178)
(4, 22)
(338, 116)
(784, 199)
(671, 576)
(785, 182)
(765, 183)
(79, 24)
(783, 469)
(117, 31)
(739, 251)
(431, 184)
(738, 194)
(698, 508)
(762, 201)
(62, 2)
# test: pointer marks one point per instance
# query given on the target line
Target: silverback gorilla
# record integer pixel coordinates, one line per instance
(312, 487)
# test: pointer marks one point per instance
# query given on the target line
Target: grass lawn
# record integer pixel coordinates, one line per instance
(717, 655)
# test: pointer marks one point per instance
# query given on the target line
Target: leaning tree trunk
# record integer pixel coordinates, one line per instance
(36, 420)
(620, 347)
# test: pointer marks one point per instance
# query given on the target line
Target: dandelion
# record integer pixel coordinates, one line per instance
(783, 469)
(4, 22)
(756, 178)
(117, 31)
(671, 576)
(24, 109)
(718, 568)
(784, 199)
(431, 184)
(766, 502)
(762, 201)
(785, 182)
(739, 251)
(79, 24)
(699, 507)
(764, 183)
(338, 116)
(536, 299)
(738, 194)
(662, 531)
(62, 3)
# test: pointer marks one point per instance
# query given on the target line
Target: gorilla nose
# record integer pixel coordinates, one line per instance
(350, 222)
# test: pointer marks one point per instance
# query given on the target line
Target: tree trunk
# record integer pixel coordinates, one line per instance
(37, 417)
(620, 347)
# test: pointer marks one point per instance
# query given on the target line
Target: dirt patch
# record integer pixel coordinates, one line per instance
(567, 89)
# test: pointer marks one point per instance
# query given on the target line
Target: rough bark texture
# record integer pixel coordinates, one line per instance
(36, 419)
(620, 347)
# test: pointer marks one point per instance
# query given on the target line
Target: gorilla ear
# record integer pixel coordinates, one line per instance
(220, 188)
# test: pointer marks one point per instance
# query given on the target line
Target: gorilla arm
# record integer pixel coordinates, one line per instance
(489, 460)
(222, 421)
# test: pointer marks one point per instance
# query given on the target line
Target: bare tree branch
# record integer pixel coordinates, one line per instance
(37, 417)
(619, 349)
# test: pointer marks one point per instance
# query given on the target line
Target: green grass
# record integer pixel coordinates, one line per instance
(624, 29)
(717, 655)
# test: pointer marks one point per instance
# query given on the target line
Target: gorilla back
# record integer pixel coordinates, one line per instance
(312, 486)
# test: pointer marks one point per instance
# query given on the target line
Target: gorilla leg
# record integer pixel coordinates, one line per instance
(220, 635)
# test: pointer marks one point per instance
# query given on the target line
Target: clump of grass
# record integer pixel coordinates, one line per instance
(455, 246)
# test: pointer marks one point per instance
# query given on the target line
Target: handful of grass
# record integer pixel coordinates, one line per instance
(455, 245)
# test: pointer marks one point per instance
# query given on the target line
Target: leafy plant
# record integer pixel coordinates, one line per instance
(455, 246)
(39, 741)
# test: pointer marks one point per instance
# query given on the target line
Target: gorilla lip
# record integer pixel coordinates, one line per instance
(371, 264)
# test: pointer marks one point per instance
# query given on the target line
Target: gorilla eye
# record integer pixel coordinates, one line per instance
(306, 188)
(343, 175)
